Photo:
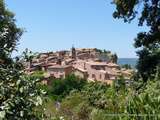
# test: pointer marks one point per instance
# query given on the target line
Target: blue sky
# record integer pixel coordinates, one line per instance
(58, 24)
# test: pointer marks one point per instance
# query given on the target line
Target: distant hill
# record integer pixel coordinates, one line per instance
(130, 61)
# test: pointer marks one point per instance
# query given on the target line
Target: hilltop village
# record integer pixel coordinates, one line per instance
(89, 63)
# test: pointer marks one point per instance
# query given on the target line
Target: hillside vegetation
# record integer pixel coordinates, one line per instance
(74, 98)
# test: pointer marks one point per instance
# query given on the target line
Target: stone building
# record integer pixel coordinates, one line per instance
(59, 71)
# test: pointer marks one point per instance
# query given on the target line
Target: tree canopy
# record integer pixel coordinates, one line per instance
(147, 42)
(9, 32)
(18, 93)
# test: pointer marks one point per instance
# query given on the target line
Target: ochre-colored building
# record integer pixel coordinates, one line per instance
(59, 71)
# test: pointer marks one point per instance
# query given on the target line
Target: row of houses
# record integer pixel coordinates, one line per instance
(81, 62)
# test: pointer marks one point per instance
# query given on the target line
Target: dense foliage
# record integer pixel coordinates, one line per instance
(18, 93)
(126, 66)
(59, 88)
(147, 42)
(107, 55)
(98, 101)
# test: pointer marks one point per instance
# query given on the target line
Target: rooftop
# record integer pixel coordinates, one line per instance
(60, 66)
(112, 64)
(82, 70)
(97, 63)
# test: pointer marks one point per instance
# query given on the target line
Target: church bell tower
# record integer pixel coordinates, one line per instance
(73, 52)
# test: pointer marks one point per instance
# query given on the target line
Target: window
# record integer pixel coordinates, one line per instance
(93, 76)
(100, 76)
(106, 76)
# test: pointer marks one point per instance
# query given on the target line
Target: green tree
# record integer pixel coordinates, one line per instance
(28, 56)
(62, 87)
(147, 42)
(95, 101)
(18, 93)
(9, 34)
(114, 58)
(146, 103)
(126, 66)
